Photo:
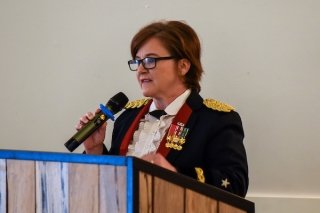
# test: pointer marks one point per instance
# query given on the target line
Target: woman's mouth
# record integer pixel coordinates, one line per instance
(145, 81)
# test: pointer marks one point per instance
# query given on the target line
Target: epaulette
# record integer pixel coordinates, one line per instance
(217, 105)
(137, 103)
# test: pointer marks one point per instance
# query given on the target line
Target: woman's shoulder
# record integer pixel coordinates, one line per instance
(197, 101)
(216, 105)
(136, 104)
(132, 108)
(213, 109)
(218, 112)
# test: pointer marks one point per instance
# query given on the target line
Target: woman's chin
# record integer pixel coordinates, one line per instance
(147, 93)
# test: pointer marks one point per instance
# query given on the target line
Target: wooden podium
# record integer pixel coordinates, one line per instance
(73, 183)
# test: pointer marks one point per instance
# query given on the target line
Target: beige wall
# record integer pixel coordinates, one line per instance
(59, 59)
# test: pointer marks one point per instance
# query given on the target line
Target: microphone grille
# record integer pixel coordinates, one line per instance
(117, 102)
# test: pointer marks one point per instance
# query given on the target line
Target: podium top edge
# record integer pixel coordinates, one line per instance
(64, 157)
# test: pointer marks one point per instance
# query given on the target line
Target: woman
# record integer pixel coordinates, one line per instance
(174, 127)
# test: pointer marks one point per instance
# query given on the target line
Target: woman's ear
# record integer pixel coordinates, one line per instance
(184, 66)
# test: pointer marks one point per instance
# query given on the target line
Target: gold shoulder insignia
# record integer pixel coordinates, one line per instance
(217, 105)
(137, 103)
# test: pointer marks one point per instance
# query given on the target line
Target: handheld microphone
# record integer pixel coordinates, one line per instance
(113, 106)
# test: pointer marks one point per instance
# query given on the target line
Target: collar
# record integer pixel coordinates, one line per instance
(175, 105)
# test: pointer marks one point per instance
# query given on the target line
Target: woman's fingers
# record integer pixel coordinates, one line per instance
(84, 120)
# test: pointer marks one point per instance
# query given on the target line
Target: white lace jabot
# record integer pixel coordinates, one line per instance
(151, 130)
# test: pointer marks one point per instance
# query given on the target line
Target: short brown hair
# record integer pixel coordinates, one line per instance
(180, 40)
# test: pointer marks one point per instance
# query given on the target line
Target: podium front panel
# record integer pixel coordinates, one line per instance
(36, 182)
(69, 183)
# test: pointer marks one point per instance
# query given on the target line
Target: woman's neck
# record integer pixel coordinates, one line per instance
(163, 102)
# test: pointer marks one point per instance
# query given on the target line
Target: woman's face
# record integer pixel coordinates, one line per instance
(162, 81)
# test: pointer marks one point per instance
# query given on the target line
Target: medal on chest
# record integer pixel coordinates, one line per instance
(176, 136)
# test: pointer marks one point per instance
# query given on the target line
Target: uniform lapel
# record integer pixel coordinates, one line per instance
(171, 139)
(129, 134)
(183, 124)
(181, 127)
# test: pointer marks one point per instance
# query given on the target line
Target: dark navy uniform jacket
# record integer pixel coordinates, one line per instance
(214, 145)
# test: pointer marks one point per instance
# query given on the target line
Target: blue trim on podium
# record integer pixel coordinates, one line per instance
(64, 157)
(130, 185)
(78, 158)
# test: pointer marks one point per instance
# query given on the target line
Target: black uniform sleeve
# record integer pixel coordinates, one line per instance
(224, 161)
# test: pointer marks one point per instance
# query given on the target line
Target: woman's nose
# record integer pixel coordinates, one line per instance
(141, 68)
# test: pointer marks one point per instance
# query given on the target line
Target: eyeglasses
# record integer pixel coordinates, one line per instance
(147, 62)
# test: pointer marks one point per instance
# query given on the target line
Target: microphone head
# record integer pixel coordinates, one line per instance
(117, 102)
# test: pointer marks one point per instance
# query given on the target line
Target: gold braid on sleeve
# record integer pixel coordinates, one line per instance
(200, 175)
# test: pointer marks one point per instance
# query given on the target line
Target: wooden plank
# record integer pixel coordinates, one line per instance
(113, 189)
(52, 187)
(196, 202)
(21, 186)
(145, 192)
(226, 208)
(3, 185)
(83, 188)
(167, 197)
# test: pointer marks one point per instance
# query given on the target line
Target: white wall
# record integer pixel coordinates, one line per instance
(59, 59)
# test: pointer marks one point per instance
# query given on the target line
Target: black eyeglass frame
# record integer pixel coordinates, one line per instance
(142, 61)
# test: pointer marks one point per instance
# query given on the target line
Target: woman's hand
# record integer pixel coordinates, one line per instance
(159, 160)
(94, 143)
